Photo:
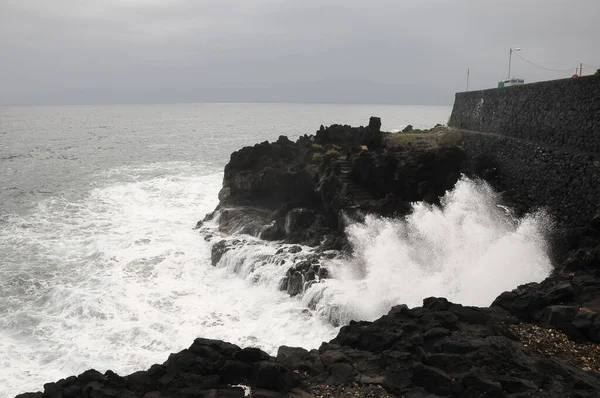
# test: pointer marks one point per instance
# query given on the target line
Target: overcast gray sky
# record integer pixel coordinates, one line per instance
(344, 51)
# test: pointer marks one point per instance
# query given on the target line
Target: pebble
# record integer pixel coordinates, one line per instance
(553, 343)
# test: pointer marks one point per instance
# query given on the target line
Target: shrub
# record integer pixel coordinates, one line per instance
(317, 147)
(316, 157)
(397, 139)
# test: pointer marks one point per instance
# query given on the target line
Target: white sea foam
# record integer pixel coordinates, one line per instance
(118, 280)
(469, 251)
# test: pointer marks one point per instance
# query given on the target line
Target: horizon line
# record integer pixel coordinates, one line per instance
(218, 103)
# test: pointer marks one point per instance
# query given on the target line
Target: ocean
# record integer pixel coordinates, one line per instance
(100, 267)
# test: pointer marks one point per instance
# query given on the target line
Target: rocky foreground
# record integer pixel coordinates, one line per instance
(440, 349)
(539, 340)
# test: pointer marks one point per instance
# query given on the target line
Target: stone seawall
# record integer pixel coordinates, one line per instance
(543, 139)
(564, 113)
(567, 184)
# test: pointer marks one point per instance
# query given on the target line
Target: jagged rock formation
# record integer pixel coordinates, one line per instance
(440, 349)
(304, 192)
(299, 191)
(569, 300)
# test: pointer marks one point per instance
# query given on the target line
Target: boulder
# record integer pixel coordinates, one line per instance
(295, 284)
(290, 356)
(273, 376)
(235, 372)
(375, 123)
(561, 317)
(252, 355)
(217, 251)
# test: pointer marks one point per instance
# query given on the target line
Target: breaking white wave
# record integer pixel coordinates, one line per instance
(470, 250)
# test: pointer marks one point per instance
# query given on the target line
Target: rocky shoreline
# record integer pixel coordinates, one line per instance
(305, 192)
(537, 340)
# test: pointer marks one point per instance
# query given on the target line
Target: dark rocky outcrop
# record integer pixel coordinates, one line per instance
(440, 349)
(268, 175)
(298, 191)
(208, 368)
(568, 300)
(304, 192)
(424, 175)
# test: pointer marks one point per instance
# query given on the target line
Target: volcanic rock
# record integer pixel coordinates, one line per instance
(299, 192)
(441, 348)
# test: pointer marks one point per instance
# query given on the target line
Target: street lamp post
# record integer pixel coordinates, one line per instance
(510, 58)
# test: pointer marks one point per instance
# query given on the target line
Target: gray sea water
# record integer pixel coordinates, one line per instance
(100, 267)
(58, 150)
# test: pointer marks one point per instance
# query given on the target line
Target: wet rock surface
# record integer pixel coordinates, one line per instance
(304, 265)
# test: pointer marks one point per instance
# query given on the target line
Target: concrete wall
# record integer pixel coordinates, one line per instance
(543, 138)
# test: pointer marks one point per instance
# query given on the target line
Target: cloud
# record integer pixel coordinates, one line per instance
(401, 51)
